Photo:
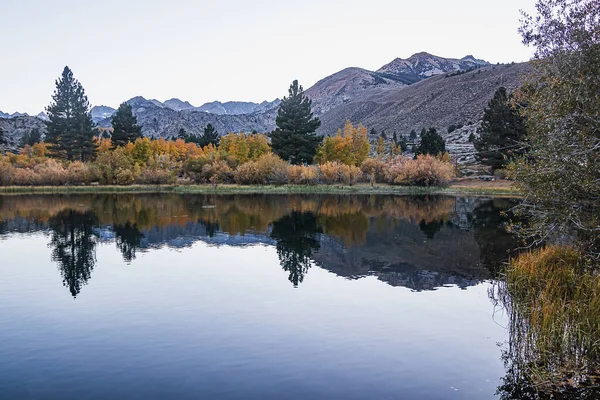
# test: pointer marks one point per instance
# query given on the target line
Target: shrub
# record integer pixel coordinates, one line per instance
(330, 172)
(217, 172)
(349, 174)
(155, 176)
(303, 175)
(425, 170)
(79, 173)
(115, 168)
(50, 173)
(374, 170)
(274, 168)
(249, 174)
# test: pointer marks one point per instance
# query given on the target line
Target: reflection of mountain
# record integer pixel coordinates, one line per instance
(418, 242)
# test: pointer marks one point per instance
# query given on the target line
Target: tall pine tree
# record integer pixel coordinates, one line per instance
(295, 139)
(501, 133)
(2, 138)
(210, 136)
(125, 127)
(432, 143)
(70, 130)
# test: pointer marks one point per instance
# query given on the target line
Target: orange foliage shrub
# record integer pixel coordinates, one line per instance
(303, 175)
(350, 174)
(374, 170)
(330, 172)
(426, 170)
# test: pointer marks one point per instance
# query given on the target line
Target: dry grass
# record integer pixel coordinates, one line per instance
(553, 301)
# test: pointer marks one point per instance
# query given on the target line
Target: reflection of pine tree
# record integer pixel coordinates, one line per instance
(296, 236)
(128, 239)
(74, 247)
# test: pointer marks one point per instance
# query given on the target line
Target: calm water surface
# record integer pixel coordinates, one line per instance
(250, 297)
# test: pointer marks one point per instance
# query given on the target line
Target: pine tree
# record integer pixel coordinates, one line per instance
(210, 136)
(395, 138)
(125, 127)
(30, 138)
(432, 143)
(413, 135)
(501, 133)
(295, 139)
(70, 130)
(2, 138)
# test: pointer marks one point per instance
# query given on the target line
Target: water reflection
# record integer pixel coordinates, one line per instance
(418, 242)
(296, 236)
(74, 246)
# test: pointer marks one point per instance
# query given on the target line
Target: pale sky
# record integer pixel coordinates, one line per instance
(203, 51)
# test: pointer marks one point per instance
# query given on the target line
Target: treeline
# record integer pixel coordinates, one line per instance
(74, 152)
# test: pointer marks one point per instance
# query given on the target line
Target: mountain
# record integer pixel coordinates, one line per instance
(238, 107)
(351, 83)
(347, 85)
(100, 113)
(178, 105)
(439, 101)
(160, 121)
(424, 65)
(15, 127)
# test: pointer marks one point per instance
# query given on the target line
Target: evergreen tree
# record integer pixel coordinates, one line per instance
(413, 135)
(501, 133)
(125, 127)
(2, 138)
(431, 143)
(295, 139)
(30, 138)
(70, 130)
(403, 145)
(395, 138)
(210, 136)
(182, 134)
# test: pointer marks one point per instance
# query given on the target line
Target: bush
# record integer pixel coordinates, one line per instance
(267, 169)
(303, 175)
(115, 168)
(79, 173)
(155, 176)
(330, 172)
(249, 174)
(425, 170)
(50, 173)
(274, 168)
(217, 172)
(349, 174)
(374, 170)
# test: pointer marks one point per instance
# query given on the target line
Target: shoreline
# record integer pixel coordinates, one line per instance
(471, 188)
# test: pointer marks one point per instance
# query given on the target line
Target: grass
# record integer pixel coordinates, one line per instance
(458, 189)
(554, 307)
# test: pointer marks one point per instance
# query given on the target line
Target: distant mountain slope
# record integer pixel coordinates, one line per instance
(238, 107)
(178, 105)
(157, 121)
(351, 83)
(100, 113)
(346, 85)
(438, 101)
(16, 127)
(424, 65)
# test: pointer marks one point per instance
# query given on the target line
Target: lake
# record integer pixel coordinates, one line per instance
(251, 297)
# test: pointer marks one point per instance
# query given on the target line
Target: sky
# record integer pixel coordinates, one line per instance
(239, 50)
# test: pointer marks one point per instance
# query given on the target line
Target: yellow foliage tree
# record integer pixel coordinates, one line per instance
(350, 146)
(242, 147)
